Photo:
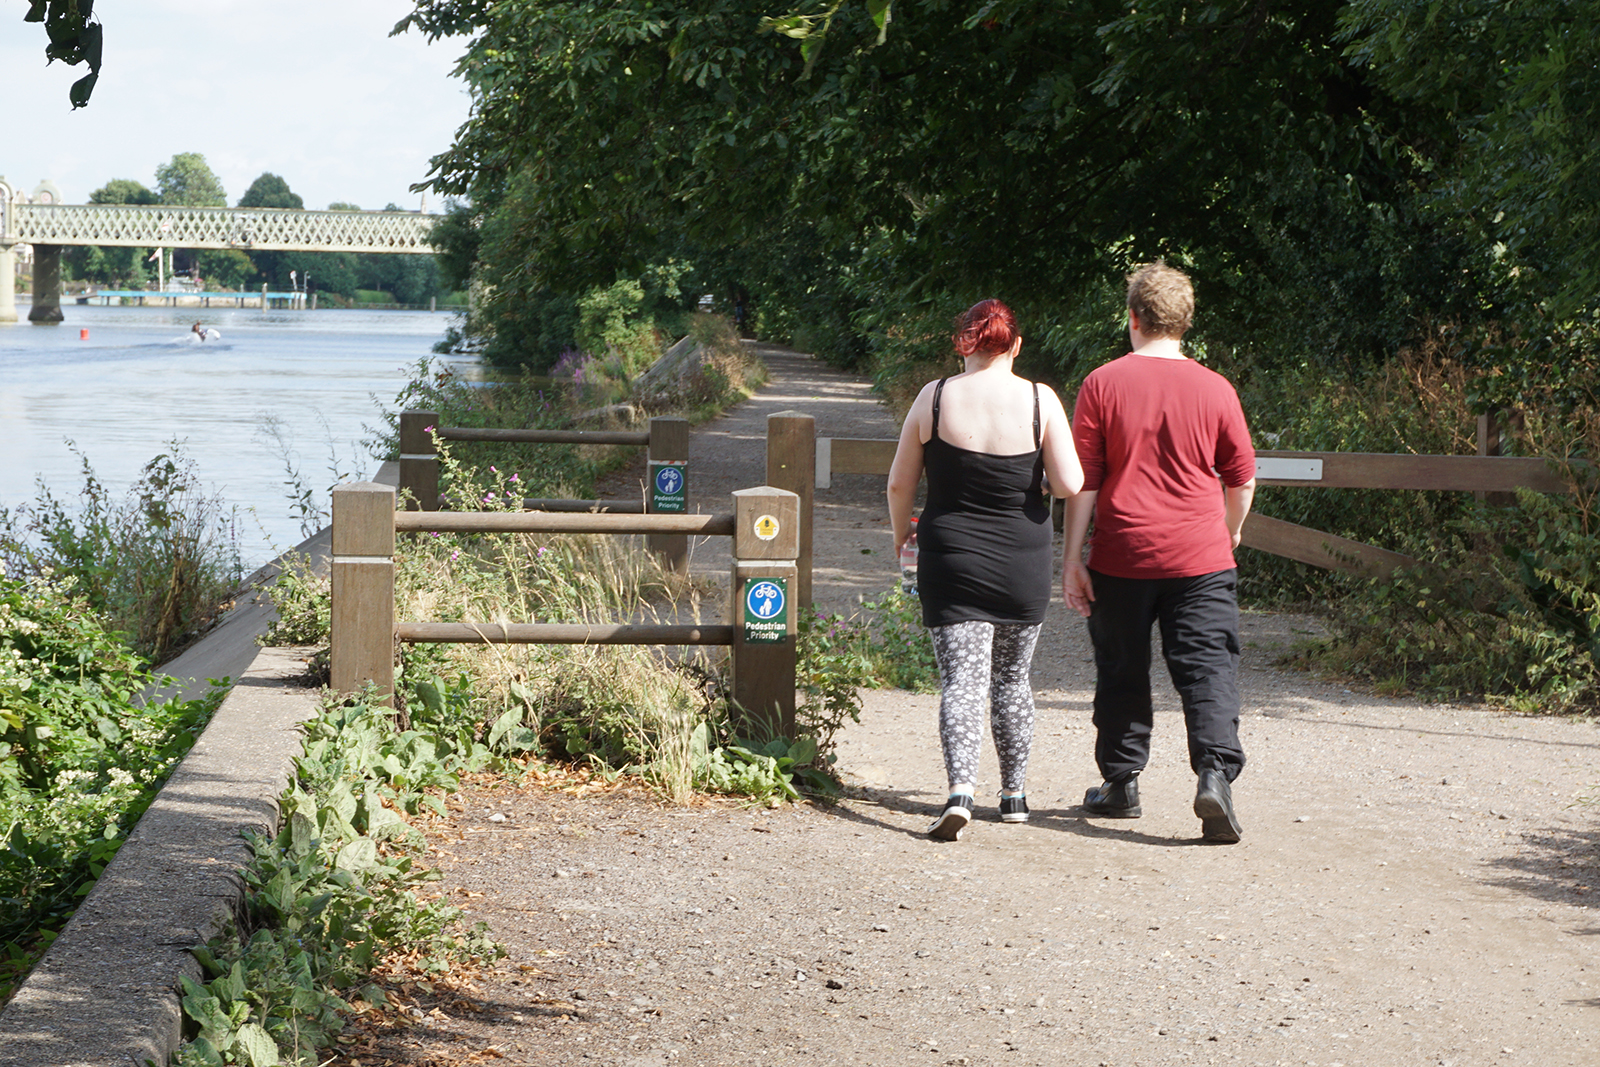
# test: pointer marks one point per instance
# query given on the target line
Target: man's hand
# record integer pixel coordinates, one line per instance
(1077, 588)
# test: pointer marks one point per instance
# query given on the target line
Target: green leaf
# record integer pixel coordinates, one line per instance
(258, 1045)
(358, 855)
(208, 961)
(302, 833)
(880, 14)
(509, 718)
(81, 90)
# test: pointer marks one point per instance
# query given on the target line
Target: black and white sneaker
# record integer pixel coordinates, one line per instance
(957, 813)
(1014, 809)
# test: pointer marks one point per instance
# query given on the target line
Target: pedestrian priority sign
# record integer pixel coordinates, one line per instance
(669, 486)
(766, 610)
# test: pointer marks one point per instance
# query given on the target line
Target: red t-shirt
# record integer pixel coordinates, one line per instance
(1154, 435)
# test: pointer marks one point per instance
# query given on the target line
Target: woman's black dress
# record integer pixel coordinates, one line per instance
(983, 539)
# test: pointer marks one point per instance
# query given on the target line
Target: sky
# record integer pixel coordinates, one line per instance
(314, 91)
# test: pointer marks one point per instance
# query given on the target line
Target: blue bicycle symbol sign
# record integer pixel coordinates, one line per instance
(765, 600)
(669, 481)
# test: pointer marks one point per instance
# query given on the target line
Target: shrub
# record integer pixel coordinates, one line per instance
(1506, 600)
(157, 565)
(82, 754)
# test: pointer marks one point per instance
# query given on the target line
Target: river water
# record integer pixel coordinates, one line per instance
(140, 381)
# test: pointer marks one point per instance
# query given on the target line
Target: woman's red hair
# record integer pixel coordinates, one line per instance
(987, 328)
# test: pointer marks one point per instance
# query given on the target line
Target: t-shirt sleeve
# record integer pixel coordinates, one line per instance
(1088, 435)
(1236, 456)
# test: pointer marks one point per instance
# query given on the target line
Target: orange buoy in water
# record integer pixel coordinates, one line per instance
(83, 335)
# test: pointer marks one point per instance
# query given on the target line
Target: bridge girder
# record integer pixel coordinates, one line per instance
(247, 229)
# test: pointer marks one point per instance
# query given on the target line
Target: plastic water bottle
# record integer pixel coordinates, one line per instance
(908, 563)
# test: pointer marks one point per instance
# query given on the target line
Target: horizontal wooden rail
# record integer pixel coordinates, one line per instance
(615, 507)
(548, 633)
(1375, 470)
(852, 455)
(548, 522)
(1320, 549)
(545, 437)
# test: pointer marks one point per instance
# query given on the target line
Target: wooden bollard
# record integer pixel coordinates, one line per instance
(766, 539)
(419, 460)
(792, 465)
(363, 588)
(666, 491)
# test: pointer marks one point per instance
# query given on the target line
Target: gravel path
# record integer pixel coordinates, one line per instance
(1416, 883)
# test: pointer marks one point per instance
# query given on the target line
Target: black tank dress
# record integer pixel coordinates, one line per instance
(983, 539)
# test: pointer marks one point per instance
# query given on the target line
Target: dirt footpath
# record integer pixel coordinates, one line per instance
(1416, 883)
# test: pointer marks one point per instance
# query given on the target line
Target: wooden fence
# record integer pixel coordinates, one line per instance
(766, 529)
(667, 441)
(1483, 473)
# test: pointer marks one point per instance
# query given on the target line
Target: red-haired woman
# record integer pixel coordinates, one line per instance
(986, 438)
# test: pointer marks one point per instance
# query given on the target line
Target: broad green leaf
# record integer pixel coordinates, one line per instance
(258, 1045)
(358, 855)
(510, 717)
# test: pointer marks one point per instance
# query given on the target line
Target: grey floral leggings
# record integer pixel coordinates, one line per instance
(978, 660)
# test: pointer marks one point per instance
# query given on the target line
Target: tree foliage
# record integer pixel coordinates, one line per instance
(1337, 176)
(123, 191)
(186, 180)
(76, 37)
(1020, 147)
(269, 190)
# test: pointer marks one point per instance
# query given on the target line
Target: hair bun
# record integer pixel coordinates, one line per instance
(986, 328)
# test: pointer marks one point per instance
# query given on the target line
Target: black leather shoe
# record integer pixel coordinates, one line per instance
(1213, 802)
(1120, 801)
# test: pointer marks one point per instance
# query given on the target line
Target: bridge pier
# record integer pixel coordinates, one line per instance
(46, 286)
(8, 285)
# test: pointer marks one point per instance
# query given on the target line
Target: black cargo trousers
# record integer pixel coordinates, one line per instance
(1199, 618)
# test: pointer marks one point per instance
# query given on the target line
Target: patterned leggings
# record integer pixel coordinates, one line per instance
(978, 660)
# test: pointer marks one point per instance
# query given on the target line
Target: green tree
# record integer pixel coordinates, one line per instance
(269, 190)
(1514, 96)
(224, 268)
(1026, 147)
(123, 191)
(186, 180)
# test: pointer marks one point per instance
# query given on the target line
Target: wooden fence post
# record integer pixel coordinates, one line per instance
(766, 539)
(668, 488)
(792, 465)
(419, 460)
(1494, 426)
(363, 588)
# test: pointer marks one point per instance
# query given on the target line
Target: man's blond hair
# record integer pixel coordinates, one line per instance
(1162, 298)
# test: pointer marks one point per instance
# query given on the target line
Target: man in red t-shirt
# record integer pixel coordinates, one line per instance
(1155, 432)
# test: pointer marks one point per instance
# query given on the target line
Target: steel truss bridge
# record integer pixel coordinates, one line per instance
(48, 227)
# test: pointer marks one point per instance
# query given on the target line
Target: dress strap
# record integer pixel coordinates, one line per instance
(937, 390)
(1038, 437)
